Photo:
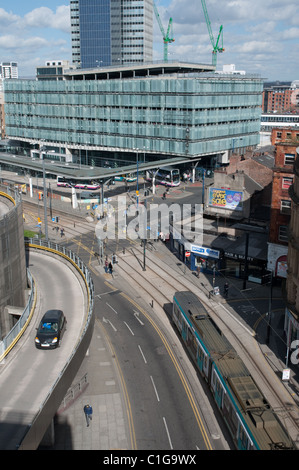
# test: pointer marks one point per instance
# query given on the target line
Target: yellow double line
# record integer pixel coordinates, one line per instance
(179, 371)
(125, 390)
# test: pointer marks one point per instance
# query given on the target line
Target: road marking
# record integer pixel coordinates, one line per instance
(141, 352)
(108, 321)
(168, 435)
(124, 389)
(136, 315)
(112, 308)
(129, 328)
(104, 293)
(156, 392)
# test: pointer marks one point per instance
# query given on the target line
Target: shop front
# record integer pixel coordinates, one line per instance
(197, 258)
(237, 265)
(204, 259)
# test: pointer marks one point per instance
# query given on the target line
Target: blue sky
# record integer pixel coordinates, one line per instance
(260, 36)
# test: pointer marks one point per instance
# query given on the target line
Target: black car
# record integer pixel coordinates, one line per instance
(50, 330)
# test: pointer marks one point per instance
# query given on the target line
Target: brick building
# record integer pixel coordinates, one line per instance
(280, 98)
(285, 141)
(257, 172)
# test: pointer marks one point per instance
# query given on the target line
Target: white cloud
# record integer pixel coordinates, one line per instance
(39, 35)
(12, 42)
(44, 17)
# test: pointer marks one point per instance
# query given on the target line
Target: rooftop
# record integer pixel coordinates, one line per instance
(138, 70)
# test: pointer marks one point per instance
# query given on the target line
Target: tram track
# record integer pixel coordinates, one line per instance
(158, 279)
(32, 212)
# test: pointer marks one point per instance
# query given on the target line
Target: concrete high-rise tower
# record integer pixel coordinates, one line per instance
(111, 32)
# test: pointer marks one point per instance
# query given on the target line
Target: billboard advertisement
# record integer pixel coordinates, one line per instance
(225, 199)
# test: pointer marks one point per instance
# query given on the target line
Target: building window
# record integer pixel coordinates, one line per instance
(289, 158)
(285, 206)
(282, 234)
(286, 182)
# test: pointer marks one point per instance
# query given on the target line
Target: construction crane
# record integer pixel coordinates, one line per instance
(168, 37)
(216, 47)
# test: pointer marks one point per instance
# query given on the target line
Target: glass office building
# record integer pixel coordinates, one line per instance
(164, 116)
(111, 32)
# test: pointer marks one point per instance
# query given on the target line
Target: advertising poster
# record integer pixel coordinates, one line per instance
(225, 199)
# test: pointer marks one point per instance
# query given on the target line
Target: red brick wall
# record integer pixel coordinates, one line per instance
(287, 135)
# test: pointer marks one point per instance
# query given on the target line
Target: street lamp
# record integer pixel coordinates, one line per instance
(145, 233)
(270, 308)
(44, 188)
(137, 188)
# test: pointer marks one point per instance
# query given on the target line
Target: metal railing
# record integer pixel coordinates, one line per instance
(74, 392)
(19, 328)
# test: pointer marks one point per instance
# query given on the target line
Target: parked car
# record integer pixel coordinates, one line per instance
(50, 330)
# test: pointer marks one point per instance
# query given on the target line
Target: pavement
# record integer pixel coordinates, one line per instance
(102, 389)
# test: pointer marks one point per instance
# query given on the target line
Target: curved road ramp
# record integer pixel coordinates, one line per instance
(33, 382)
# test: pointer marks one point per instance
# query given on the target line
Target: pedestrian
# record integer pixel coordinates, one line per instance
(106, 265)
(88, 413)
(225, 290)
(110, 268)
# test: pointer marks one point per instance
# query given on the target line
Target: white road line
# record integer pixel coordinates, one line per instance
(141, 352)
(112, 308)
(128, 328)
(156, 392)
(136, 315)
(104, 293)
(168, 435)
(108, 321)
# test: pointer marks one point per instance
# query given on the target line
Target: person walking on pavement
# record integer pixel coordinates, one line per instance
(110, 268)
(225, 290)
(88, 413)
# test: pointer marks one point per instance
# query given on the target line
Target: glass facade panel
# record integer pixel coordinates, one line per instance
(186, 116)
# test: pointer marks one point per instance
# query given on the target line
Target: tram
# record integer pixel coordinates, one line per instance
(167, 176)
(69, 183)
(249, 418)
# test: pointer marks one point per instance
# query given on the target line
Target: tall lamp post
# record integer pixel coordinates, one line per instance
(145, 233)
(137, 187)
(270, 308)
(42, 150)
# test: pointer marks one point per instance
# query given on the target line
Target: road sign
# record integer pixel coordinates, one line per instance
(187, 254)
